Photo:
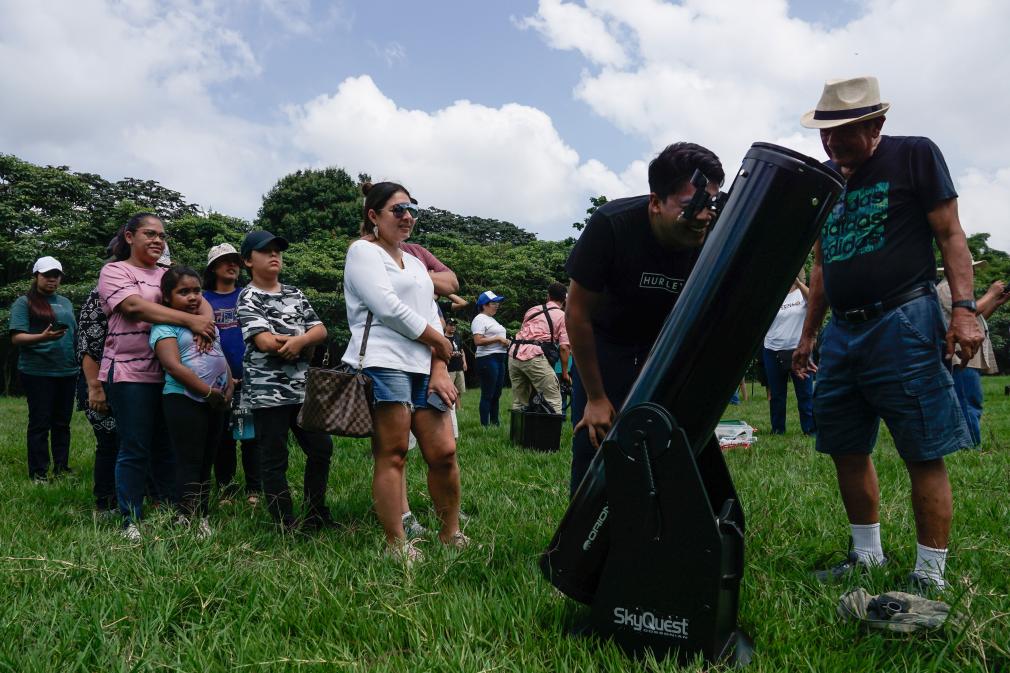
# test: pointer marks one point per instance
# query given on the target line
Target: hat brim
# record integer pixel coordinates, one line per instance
(809, 122)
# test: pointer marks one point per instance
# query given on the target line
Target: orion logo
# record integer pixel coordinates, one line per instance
(591, 538)
(647, 622)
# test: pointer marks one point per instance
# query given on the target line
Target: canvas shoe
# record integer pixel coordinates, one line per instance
(923, 585)
(131, 532)
(203, 529)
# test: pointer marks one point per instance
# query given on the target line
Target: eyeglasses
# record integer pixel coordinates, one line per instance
(151, 234)
(399, 209)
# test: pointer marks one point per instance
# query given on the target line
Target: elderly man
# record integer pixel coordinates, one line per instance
(883, 352)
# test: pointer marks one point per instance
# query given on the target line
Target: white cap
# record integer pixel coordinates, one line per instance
(47, 264)
(166, 257)
(220, 251)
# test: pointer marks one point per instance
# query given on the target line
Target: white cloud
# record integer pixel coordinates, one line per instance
(508, 162)
(125, 89)
(728, 73)
(983, 204)
(568, 26)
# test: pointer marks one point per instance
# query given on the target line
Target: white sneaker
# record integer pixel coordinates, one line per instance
(405, 552)
(203, 529)
(131, 533)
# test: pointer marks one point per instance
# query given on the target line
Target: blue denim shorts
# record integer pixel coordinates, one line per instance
(393, 385)
(890, 368)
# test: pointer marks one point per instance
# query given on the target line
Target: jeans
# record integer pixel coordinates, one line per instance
(50, 406)
(106, 452)
(195, 429)
(619, 368)
(272, 425)
(491, 370)
(968, 386)
(888, 368)
(145, 449)
(778, 370)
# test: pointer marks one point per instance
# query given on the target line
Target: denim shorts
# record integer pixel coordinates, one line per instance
(889, 368)
(393, 385)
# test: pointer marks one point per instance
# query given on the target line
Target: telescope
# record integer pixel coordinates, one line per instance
(653, 538)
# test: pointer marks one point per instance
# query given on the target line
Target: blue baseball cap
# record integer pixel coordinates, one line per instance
(487, 297)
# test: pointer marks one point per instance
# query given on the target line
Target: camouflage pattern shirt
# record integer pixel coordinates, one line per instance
(269, 380)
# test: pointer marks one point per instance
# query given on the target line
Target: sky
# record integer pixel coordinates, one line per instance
(517, 110)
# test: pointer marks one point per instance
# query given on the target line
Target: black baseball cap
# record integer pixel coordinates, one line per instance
(257, 240)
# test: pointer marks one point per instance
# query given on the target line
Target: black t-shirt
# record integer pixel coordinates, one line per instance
(618, 256)
(456, 361)
(877, 242)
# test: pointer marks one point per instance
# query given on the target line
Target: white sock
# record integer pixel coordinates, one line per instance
(930, 563)
(866, 543)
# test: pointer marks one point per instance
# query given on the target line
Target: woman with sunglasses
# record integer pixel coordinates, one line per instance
(130, 292)
(389, 296)
(42, 326)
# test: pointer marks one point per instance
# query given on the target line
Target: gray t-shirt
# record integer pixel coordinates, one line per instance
(268, 379)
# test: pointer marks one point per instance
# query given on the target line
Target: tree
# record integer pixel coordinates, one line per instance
(596, 202)
(312, 200)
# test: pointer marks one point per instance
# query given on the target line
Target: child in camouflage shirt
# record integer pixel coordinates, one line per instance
(280, 328)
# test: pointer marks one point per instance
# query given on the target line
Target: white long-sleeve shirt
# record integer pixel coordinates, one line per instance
(401, 301)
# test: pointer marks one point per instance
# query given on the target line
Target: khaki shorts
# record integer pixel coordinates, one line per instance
(459, 380)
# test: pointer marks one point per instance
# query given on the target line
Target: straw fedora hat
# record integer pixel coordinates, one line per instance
(846, 101)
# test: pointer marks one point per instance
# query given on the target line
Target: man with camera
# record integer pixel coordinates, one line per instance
(885, 353)
(627, 271)
(540, 342)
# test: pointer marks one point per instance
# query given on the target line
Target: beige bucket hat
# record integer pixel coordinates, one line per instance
(846, 101)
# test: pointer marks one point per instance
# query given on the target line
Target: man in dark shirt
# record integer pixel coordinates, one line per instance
(882, 353)
(627, 271)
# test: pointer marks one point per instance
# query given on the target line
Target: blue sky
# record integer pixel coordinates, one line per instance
(518, 110)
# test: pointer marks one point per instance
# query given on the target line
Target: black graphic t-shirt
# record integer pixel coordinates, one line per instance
(618, 256)
(877, 242)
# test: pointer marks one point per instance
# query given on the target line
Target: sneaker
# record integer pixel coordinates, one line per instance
(404, 552)
(412, 528)
(846, 569)
(457, 541)
(40, 480)
(131, 532)
(203, 529)
(923, 585)
(463, 517)
(181, 521)
(253, 499)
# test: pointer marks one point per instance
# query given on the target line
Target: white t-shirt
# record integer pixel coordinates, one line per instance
(401, 303)
(487, 326)
(784, 334)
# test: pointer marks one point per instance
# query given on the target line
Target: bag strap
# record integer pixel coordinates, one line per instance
(364, 342)
(550, 323)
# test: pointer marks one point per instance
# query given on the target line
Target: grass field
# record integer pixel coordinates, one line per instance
(74, 596)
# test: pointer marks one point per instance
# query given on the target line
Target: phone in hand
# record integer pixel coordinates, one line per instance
(435, 401)
(59, 326)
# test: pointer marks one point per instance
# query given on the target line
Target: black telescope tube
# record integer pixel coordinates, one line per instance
(777, 204)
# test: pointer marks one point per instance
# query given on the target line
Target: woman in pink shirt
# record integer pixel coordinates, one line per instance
(130, 292)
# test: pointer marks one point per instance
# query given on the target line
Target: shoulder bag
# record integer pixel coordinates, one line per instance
(338, 401)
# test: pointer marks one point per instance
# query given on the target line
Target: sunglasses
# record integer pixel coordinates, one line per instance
(399, 209)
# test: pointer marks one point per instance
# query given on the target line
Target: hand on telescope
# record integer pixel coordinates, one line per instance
(803, 366)
(597, 419)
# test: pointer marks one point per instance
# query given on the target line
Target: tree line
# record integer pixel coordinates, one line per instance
(51, 210)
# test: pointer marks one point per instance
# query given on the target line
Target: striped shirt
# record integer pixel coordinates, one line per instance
(126, 343)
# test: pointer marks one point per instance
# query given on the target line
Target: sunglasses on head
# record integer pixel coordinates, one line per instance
(399, 209)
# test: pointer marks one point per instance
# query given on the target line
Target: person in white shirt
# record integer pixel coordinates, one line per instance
(492, 355)
(405, 356)
(777, 355)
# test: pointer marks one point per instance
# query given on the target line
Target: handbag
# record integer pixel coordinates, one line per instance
(338, 401)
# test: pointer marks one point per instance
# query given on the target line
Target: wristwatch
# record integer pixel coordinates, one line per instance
(965, 303)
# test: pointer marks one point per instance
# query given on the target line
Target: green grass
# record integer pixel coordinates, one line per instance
(75, 597)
